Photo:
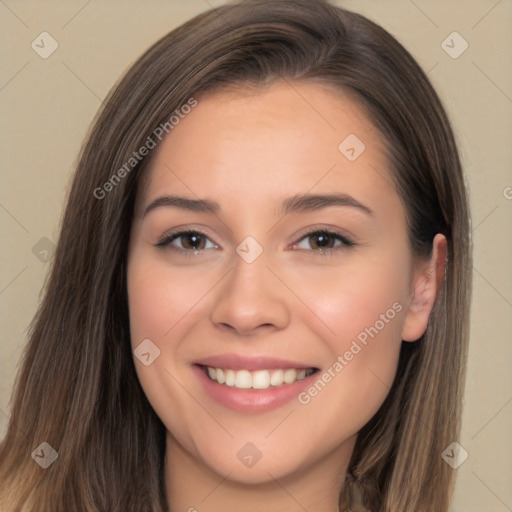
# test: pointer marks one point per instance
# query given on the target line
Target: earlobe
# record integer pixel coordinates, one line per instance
(427, 282)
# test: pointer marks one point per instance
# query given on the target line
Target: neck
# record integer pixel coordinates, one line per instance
(192, 486)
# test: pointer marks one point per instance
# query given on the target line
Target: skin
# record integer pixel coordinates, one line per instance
(249, 151)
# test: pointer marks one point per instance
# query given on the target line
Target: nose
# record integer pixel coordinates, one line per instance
(251, 300)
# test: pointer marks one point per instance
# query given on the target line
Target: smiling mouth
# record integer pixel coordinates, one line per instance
(257, 379)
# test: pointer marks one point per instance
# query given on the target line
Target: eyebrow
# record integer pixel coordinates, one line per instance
(312, 202)
(296, 203)
(184, 203)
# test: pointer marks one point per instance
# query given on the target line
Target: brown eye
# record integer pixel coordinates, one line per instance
(193, 241)
(323, 241)
(187, 241)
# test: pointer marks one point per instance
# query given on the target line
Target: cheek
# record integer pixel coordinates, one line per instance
(161, 305)
(160, 299)
(354, 297)
(364, 307)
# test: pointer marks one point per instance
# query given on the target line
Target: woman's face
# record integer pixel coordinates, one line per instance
(270, 281)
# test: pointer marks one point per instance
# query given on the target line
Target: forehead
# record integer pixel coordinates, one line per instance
(290, 137)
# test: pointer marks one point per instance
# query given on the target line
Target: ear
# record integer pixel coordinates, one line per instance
(427, 281)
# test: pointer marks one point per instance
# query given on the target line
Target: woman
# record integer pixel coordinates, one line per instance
(260, 293)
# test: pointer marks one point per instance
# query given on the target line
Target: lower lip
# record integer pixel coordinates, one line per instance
(252, 400)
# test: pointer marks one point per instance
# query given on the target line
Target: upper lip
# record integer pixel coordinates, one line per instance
(239, 362)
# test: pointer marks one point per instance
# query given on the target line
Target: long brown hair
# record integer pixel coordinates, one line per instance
(77, 388)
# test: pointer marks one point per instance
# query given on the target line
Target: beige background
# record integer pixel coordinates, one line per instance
(47, 105)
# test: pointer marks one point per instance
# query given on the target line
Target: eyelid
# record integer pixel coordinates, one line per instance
(171, 235)
(346, 239)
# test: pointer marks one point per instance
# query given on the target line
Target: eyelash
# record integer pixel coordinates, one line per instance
(346, 243)
(167, 239)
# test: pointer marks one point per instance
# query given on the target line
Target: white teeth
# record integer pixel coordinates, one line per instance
(221, 378)
(243, 380)
(230, 377)
(301, 374)
(259, 379)
(276, 379)
(290, 376)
